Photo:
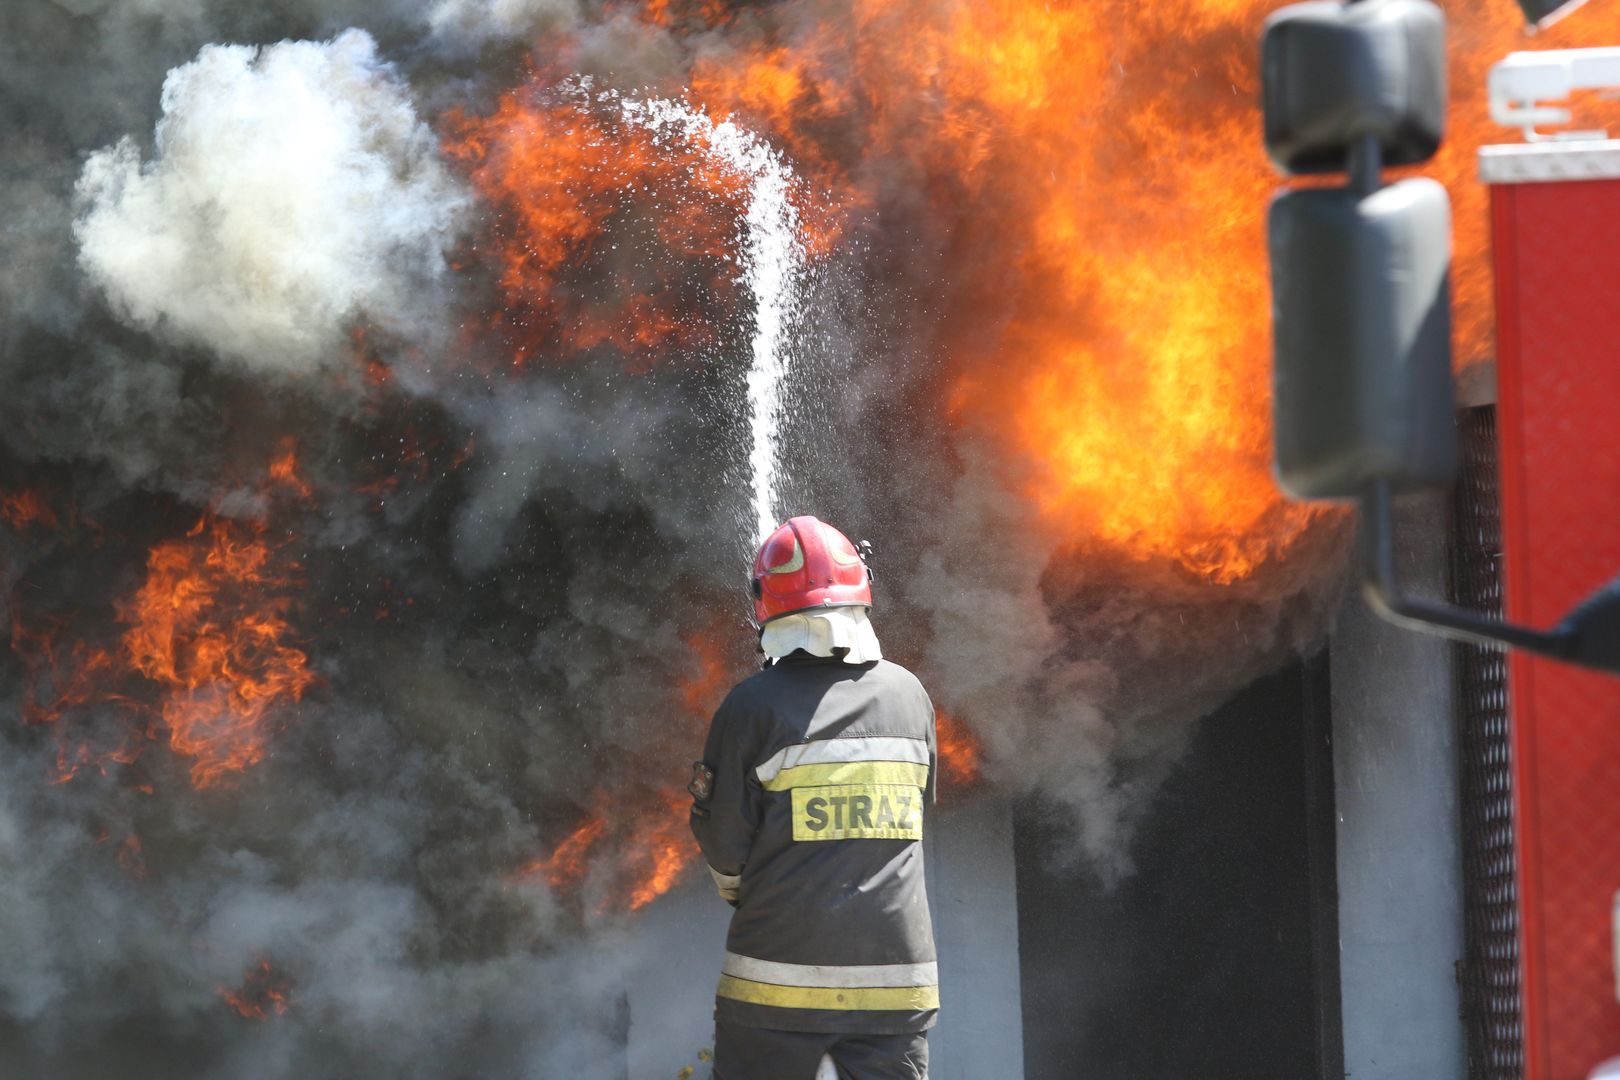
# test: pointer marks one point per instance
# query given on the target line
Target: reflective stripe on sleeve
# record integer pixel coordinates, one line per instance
(725, 881)
(834, 751)
(874, 998)
(749, 969)
(912, 773)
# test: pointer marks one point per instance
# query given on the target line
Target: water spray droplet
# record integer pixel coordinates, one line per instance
(771, 258)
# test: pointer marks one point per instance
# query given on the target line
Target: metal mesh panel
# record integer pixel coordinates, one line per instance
(1490, 969)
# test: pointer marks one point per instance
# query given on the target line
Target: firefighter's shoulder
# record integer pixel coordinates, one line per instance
(892, 670)
(752, 693)
(889, 671)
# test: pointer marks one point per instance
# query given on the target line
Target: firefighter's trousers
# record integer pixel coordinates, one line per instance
(750, 1053)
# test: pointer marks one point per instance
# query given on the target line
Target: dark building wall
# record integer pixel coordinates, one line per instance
(1216, 958)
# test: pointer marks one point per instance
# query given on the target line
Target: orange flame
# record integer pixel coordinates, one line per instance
(566, 180)
(701, 691)
(53, 682)
(1103, 179)
(959, 751)
(284, 469)
(1110, 312)
(638, 841)
(57, 680)
(663, 846)
(264, 992)
(637, 844)
(704, 14)
(209, 625)
(606, 234)
(565, 867)
(84, 755)
(26, 507)
(786, 91)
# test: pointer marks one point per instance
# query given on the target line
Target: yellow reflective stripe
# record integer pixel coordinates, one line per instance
(878, 998)
(850, 772)
(836, 975)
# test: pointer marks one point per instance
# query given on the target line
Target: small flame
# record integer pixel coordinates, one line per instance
(84, 755)
(54, 682)
(264, 992)
(25, 508)
(959, 751)
(566, 866)
(57, 681)
(663, 847)
(284, 470)
(701, 691)
(131, 857)
(413, 459)
(703, 14)
(637, 845)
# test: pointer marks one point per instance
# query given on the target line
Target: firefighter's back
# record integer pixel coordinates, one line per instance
(839, 761)
(809, 805)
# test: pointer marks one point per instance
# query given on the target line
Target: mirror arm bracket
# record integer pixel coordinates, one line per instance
(1382, 591)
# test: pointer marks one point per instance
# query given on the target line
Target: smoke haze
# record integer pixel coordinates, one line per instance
(265, 308)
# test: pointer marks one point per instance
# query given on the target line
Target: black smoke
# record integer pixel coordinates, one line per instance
(230, 229)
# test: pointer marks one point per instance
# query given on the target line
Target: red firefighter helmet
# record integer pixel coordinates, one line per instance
(805, 564)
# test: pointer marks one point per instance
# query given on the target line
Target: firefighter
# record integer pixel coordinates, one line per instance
(809, 806)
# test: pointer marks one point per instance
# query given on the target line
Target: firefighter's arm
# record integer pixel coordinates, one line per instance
(725, 806)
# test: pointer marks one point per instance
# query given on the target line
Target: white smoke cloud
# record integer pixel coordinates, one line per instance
(292, 190)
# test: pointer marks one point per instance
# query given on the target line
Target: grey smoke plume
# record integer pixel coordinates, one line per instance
(469, 24)
(1079, 687)
(226, 219)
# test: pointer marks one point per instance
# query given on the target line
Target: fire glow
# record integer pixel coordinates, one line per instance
(572, 183)
(635, 843)
(959, 752)
(1095, 292)
(1104, 174)
(1125, 275)
(206, 653)
(264, 993)
(210, 626)
(26, 508)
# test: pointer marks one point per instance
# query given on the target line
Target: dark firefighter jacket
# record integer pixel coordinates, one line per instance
(812, 791)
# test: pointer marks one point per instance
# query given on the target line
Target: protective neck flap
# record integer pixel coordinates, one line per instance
(821, 632)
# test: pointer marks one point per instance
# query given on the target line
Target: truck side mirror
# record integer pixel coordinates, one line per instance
(1360, 297)
(1333, 73)
(1360, 274)
(1361, 309)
